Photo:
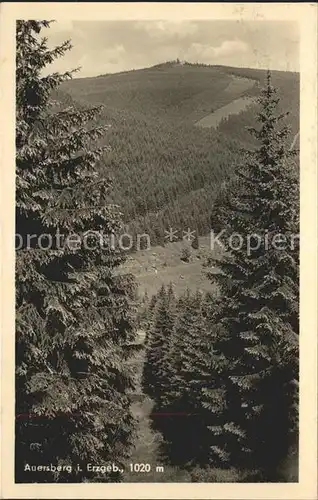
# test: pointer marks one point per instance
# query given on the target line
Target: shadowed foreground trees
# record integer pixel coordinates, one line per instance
(258, 310)
(74, 317)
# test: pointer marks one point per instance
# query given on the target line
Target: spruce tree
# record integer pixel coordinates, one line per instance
(143, 311)
(154, 344)
(153, 304)
(254, 400)
(74, 317)
(156, 368)
(191, 363)
(149, 320)
(166, 368)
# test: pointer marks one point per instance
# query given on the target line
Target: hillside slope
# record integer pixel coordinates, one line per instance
(166, 171)
(181, 92)
(177, 93)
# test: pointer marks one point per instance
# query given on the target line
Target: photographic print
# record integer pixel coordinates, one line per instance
(157, 249)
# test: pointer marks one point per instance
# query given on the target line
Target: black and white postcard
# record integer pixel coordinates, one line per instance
(159, 239)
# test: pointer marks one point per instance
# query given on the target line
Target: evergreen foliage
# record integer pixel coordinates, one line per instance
(232, 400)
(172, 175)
(255, 400)
(188, 362)
(156, 368)
(185, 254)
(221, 370)
(195, 242)
(183, 426)
(175, 169)
(74, 315)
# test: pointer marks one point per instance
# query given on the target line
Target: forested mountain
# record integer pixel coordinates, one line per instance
(179, 92)
(166, 171)
(204, 382)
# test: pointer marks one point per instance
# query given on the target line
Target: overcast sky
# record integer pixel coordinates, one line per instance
(111, 46)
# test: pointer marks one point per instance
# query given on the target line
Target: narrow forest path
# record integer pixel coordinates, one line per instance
(147, 448)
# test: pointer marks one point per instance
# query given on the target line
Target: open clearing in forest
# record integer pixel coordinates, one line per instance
(163, 265)
(233, 108)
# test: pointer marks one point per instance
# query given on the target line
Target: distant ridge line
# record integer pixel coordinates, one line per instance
(174, 63)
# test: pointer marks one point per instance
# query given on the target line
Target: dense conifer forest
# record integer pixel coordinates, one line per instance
(201, 384)
(74, 316)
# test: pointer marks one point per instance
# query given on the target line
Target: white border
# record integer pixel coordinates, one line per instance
(306, 15)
